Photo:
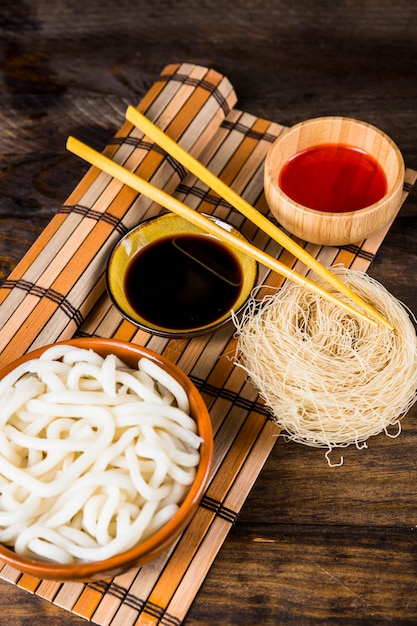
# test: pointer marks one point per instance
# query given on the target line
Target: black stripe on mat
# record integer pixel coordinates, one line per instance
(247, 131)
(160, 614)
(203, 84)
(203, 195)
(89, 213)
(219, 509)
(110, 587)
(357, 251)
(137, 142)
(234, 397)
(41, 292)
(133, 602)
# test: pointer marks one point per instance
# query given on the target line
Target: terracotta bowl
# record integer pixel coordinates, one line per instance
(326, 227)
(167, 534)
(151, 232)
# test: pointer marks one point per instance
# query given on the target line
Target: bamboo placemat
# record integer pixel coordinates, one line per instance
(57, 291)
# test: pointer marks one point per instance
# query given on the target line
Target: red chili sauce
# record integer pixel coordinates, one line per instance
(334, 178)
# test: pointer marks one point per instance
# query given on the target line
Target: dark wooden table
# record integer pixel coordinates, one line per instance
(313, 545)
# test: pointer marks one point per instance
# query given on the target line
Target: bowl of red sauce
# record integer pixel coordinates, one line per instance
(333, 180)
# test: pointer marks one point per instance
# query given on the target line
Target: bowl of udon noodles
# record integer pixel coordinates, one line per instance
(106, 450)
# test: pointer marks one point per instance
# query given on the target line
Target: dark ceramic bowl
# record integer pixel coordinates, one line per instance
(175, 303)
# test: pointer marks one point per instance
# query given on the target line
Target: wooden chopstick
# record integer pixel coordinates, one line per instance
(239, 203)
(169, 202)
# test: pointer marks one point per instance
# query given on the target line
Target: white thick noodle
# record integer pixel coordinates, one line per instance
(94, 456)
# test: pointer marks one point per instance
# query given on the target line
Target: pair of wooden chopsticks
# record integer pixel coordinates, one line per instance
(364, 310)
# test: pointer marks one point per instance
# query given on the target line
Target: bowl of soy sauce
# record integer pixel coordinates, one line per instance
(170, 278)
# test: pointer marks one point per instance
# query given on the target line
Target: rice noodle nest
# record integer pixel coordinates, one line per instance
(329, 378)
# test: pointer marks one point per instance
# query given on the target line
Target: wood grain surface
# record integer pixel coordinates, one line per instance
(313, 545)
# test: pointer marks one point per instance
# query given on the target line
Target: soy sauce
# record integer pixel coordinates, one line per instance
(183, 282)
(333, 177)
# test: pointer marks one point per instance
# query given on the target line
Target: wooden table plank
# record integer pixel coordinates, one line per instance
(312, 545)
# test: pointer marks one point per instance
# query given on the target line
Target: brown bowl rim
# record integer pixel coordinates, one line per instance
(164, 537)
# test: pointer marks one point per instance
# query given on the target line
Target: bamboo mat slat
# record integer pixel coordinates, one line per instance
(57, 291)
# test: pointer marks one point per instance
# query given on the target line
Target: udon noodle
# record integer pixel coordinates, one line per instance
(329, 379)
(94, 456)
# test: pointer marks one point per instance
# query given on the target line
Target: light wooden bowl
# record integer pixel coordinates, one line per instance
(322, 227)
